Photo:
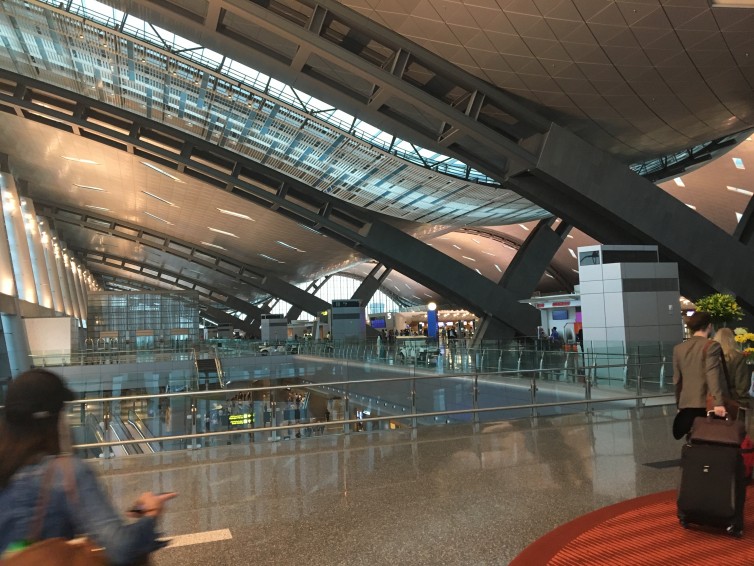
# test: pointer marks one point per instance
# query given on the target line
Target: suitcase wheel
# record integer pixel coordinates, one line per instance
(734, 531)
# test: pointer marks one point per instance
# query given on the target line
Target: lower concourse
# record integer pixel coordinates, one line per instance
(438, 495)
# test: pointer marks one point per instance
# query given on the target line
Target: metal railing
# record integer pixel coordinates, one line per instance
(187, 419)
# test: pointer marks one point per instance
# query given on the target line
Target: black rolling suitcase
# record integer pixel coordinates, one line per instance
(713, 487)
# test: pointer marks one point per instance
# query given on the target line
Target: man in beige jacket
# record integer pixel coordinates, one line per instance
(697, 373)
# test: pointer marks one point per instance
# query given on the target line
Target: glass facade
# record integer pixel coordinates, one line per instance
(339, 287)
(143, 320)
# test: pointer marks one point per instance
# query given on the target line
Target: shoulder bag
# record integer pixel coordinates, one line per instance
(55, 551)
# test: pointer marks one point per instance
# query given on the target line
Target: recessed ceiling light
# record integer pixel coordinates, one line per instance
(477, 270)
(467, 257)
(161, 172)
(265, 256)
(290, 247)
(524, 227)
(96, 207)
(236, 214)
(739, 216)
(740, 191)
(222, 232)
(456, 247)
(573, 253)
(79, 160)
(158, 198)
(548, 275)
(498, 268)
(679, 182)
(88, 187)
(212, 245)
(158, 218)
(738, 162)
(691, 206)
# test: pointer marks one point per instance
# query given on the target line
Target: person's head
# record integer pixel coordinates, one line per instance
(727, 341)
(554, 328)
(29, 425)
(699, 322)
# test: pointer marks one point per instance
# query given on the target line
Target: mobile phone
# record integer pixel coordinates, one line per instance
(139, 510)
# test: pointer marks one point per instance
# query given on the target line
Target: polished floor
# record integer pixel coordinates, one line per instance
(444, 495)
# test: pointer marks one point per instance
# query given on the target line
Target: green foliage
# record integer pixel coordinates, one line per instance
(721, 307)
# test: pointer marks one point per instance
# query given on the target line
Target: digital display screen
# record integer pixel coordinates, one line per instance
(560, 314)
(377, 322)
(246, 418)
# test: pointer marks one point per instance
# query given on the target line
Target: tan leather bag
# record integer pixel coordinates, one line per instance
(55, 551)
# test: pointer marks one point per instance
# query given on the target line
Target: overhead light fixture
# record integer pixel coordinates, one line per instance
(573, 253)
(158, 218)
(477, 270)
(161, 172)
(738, 162)
(740, 191)
(469, 258)
(265, 256)
(498, 268)
(732, 3)
(231, 234)
(96, 207)
(158, 198)
(79, 160)
(691, 206)
(212, 245)
(236, 214)
(678, 181)
(456, 247)
(739, 216)
(88, 187)
(290, 247)
(524, 227)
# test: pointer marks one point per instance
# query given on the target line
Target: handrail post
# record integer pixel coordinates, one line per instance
(475, 402)
(192, 416)
(533, 394)
(414, 421)
(588, 393)
(639, 403)
(106, 420)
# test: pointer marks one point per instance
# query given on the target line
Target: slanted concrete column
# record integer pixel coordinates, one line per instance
(371, 283)
(50, 262)
(36, 254)
(16, 232)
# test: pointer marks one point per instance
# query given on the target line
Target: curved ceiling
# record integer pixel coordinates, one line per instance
(636, 78)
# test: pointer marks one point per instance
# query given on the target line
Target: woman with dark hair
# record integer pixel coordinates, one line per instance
(697, 373)
(739, 376)
(33, 436)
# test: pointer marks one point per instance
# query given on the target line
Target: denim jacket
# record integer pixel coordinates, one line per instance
(93, 515)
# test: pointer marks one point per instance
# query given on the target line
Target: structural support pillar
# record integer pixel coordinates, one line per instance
(371, 283)
(524, 272)
(36, 254)
(19, 247)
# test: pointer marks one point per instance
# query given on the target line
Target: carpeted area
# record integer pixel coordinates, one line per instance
(641, 531)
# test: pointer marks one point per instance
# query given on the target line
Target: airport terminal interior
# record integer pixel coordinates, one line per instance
(380, 282)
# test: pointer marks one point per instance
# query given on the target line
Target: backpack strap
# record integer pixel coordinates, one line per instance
(43, 499)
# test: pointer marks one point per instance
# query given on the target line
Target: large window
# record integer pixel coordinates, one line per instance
(340, 287)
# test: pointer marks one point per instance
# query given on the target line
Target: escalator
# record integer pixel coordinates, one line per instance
(209, 374)
(139, 429)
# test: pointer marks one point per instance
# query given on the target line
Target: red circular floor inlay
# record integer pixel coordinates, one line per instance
(641, 531)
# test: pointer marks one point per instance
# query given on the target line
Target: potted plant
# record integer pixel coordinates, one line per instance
(721, 307)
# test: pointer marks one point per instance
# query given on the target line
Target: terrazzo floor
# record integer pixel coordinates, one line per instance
(439, 495)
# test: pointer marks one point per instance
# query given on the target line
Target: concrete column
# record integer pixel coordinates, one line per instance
(51, 267)
(7, 280)
(69, 268)
(80, 290)
(36, 254)
(62, 278)
(16, 343)
(19, 248)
